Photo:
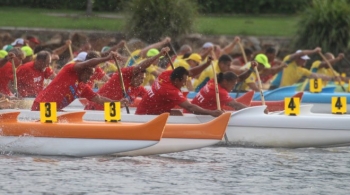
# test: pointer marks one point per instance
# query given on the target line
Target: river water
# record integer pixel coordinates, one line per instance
(211, 170)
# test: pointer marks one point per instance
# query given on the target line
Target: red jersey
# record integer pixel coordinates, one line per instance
(206, 97)
(5, 78)
(64, 89)
(98, 75)
(113, 90)
(30, 81)
(162, 97)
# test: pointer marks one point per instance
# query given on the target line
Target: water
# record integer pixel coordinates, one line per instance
(211, 170)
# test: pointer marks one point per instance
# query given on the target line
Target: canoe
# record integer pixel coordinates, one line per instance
(287, 131)
(177, 137)
(71, 137)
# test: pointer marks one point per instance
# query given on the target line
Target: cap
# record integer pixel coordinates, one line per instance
(81, 56)
(34, 40)
(262, 59)
(152, 52)
(195, 57)
(304, 57)
(208, 44)
(27, 50)
(105, 48)
(19, 41)
(7, 47)
(3, 54)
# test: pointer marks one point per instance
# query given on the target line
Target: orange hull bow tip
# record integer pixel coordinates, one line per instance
(214, 129)
(152, 130)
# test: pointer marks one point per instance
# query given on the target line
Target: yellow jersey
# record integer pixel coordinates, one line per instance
(205, 76)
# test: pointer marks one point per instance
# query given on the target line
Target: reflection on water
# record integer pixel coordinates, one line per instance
(212, 170)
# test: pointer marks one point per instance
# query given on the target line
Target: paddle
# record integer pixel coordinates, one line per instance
(70, 51)
(217, 97)
(171, 62)
(260, 85)
(172, 48)
(330, 66)
(122, 83)
(239, 85)
(127, 49)
(14, 77)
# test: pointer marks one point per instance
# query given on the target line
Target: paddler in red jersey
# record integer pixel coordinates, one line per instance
(133, 77)
(166, 93)
(70, 83)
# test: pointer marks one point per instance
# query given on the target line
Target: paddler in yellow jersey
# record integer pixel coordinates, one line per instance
(295, 69)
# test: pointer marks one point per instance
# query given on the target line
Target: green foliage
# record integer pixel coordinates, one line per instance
(251, 6)
(326, 24)
(151, 19)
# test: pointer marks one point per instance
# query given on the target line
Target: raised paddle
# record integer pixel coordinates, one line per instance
(70, 51)
(239, 85)
(127, 49)
(14, 77)
(333, 72)
(217, 97)
(122, 83)
(171, 62)
(259, 83)
(172, 48)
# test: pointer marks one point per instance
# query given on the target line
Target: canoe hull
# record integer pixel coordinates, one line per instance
(68, 146)
(286, 137)
(170, 145)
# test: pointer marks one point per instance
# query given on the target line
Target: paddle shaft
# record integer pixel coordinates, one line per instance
(121, 83)
(245, 61)
(127, 49)
(14, 77)
(217, 95)
(260, 85)
(333, 72)
(172, 48)
(70, 51)
(171, 62)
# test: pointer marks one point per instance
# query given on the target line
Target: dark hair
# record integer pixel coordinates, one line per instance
(228, 76)
(224, 58)
(178, 73)
(42, 55)
(17, 51)
(270, 50)
(186, 55)
(248, 51)
(92, 55)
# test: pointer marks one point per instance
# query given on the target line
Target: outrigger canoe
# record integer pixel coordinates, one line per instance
(70, 137)
(177, 137)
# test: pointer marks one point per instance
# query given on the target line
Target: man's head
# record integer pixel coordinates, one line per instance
(194, 60)
(301, 61)
(42, 60)
(19, 56)
(85, 74)
(224, 63)
(179, 77)
(185, 49)
(263, 61)
(28, 51)
(91, 55)
(248, 53)
(137, 79)
(270, 53)
(227, 80)
(151, 53)
(3, 54)
(33, 42)
(18, 43)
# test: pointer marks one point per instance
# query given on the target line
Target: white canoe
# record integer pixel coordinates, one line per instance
(176, 137)
(74, 138)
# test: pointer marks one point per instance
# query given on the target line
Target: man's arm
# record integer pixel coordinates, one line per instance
(236, 105)
(193, 72)
(198, 110)
(149, 61)
(95, 61)
(304, 52)
(60, 50)
(332, 61)
(154, 45)
(229, 47)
